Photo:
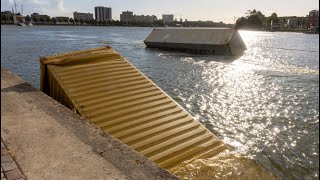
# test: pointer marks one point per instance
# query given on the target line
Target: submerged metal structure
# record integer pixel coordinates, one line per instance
(102, 86)
(222, 41)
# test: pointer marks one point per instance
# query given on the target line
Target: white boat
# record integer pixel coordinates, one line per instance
(21, 24)
(29, 24)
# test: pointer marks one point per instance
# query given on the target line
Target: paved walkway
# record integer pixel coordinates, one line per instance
(48, 141)
(9, 168)
(43, 148)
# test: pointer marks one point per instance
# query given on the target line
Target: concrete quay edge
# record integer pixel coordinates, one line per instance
(128, 161)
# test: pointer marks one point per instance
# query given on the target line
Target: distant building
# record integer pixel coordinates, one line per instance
(292, 22)
(82, 16)
(145, 19)
(62, 20)
(167, 18)
(313, 19)
(102, 13)
(128, 18)
(39, 18)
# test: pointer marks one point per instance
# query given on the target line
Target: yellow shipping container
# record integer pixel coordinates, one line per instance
(102, 86)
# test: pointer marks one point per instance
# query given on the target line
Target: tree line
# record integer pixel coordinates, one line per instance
(159, 23)
(6, 17)
(256, 20)
(44, 19)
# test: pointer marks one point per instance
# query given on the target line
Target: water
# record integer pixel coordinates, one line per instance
(265, 105)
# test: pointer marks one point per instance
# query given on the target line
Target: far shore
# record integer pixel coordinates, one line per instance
(152, 26)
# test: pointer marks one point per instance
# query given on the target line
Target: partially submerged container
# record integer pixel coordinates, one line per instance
(102, 86)
(222, 41)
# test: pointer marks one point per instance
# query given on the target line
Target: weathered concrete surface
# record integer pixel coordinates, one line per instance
(48, 141)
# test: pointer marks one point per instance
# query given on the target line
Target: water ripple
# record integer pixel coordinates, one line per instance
(264, 105)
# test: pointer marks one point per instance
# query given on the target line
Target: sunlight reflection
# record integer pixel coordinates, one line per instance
(254, 103)
(248, 36)
(223, 166)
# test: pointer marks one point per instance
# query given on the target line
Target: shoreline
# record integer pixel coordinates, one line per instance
(82, 25)
(290, 31)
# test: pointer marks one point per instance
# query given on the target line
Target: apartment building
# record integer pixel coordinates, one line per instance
(103, 13)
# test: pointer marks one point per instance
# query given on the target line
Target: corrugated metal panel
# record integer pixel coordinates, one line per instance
(236, 44)
(110, 92)
(220, 40)
(217, 36)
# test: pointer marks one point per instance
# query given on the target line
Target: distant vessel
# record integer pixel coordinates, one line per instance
(21, 21)
(18, 17)
(21, 24)
(29, 24)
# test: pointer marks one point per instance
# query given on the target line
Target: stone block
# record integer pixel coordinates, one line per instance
(13, 174)
(4, 152)
(9, 166)
(6, 158)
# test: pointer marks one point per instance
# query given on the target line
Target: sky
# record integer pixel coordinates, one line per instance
(212, 10)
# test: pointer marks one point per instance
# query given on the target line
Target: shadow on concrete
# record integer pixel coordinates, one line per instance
(21, 88)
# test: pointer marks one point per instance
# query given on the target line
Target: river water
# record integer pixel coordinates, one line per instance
(264, 105)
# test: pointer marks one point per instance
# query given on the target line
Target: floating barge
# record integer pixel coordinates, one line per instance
(102, 86)
(221, 41)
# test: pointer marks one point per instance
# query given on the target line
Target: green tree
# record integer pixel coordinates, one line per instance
(35, 19)
(54, 20)
(91, 22)
(254, 20)
(241, 22)
(10, 17)
(4, 17)
(71, 20)
(274, 18)
(48, 19)
(159, 23)
(28, 18)
(250, 13)
(117, 23)
(42, 19)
